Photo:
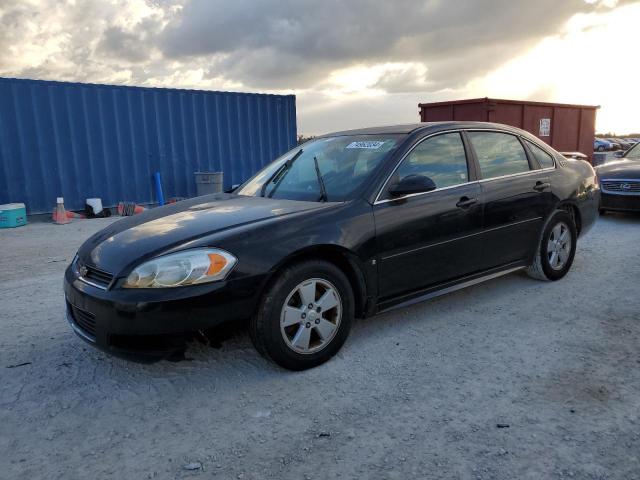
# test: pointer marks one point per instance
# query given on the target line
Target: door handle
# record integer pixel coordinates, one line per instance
(540, 186)
(466, 202)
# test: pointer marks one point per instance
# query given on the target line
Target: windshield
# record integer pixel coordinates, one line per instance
(329, 168)
(633, 153)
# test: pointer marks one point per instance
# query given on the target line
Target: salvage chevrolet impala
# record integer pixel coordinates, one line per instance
(347, 225)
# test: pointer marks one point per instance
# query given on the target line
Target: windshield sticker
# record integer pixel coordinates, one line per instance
(371, 145)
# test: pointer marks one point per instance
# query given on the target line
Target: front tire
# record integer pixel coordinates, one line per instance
(305, 316)
(556, 250)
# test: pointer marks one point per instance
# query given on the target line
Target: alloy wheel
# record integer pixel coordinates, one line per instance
(311, 316)
(559, 246)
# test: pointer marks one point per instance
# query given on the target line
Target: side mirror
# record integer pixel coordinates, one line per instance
(619, 154)
(412, 184)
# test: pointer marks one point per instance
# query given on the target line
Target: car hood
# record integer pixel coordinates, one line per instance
(157, 230)
(628, 169)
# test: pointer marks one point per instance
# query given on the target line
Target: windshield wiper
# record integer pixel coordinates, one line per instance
(277, 175)
(323, 190)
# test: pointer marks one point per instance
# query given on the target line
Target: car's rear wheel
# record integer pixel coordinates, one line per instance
(557, 248)
(304, 316)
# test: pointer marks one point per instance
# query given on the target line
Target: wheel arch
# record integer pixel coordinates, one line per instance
(573, 210)
(564, 206)
(339, 256)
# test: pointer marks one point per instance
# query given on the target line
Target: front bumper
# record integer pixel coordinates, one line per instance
(147, 324)
(629, 203)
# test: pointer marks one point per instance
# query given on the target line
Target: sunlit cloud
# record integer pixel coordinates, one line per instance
(376, 79)
(363, 67)
(592, 62)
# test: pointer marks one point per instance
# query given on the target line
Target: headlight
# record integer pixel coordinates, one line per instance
(190, 267)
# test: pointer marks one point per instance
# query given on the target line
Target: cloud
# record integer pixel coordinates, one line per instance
(410, 77)
(275, 44)
(288, 44)
(123, 44)
(333, 54)
(79, 40)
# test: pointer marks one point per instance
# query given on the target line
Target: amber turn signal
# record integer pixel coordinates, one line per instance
(218, 262)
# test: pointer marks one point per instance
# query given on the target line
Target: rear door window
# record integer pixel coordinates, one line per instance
(544, 159)
(499, 154)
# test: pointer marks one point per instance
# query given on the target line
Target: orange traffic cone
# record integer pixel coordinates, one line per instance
(60, 214)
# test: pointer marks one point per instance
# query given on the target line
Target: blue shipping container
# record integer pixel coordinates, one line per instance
(78, 141)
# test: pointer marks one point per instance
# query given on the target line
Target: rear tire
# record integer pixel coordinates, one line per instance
(305, 316)
(556, 250)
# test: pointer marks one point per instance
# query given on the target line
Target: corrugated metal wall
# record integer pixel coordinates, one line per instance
(81, 140)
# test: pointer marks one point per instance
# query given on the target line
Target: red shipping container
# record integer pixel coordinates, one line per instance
(567, 128)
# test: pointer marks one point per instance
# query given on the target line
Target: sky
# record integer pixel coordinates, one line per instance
(350, 63)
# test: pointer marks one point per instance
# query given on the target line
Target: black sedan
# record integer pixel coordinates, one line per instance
(347, 225)
(620, 182)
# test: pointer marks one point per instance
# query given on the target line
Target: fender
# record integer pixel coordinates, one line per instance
(362, 280)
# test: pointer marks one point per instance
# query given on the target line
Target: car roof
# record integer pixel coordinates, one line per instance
(424, 127)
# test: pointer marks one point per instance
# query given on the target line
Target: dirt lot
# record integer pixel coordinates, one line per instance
(513, 379)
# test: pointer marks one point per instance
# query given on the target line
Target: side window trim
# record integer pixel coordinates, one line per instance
(471, 172)
(534, 164)
(473, 166)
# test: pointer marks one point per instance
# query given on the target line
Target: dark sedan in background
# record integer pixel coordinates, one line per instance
(347, 225)
(620, 182)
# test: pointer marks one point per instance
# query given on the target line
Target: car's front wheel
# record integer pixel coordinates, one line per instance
(557, 248)
(304, 316)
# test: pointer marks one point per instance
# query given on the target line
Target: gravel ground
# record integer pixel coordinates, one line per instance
(512, 379)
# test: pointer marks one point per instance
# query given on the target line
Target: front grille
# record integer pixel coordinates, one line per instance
(95, 275)
(85, 321)
(628, 187)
